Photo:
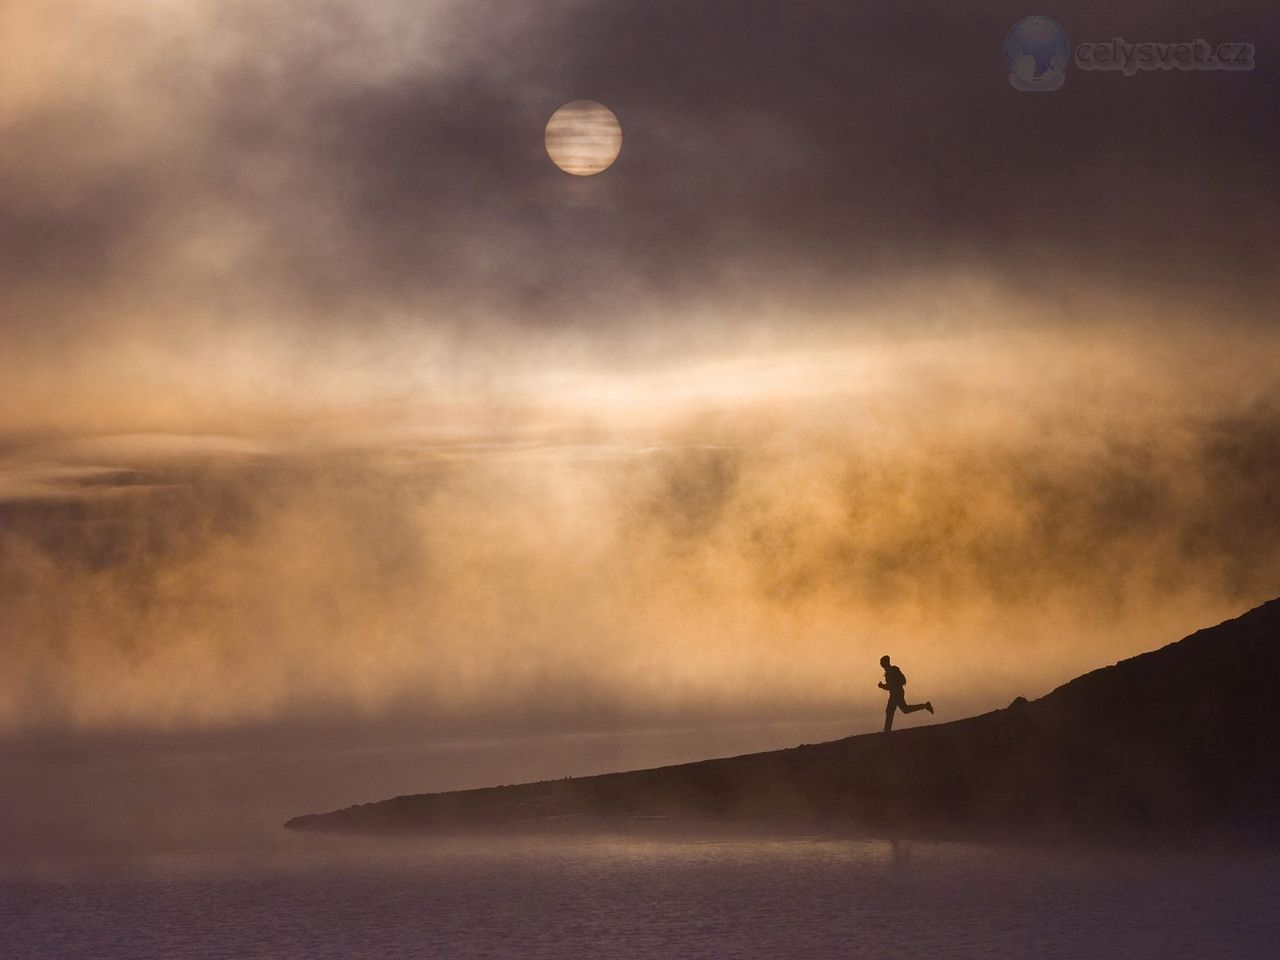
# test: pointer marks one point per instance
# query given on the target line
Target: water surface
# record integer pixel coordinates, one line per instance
(627, 897)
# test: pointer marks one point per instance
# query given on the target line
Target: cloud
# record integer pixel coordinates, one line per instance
(338, 163)
(326, 391)
(737, 535)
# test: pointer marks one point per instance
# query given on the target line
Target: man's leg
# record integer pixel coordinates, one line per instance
(888, 715)
(911, 707)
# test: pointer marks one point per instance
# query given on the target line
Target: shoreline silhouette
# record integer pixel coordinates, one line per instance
(1175, 743)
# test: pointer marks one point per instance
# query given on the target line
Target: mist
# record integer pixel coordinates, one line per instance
(328, 396)
(724, 537)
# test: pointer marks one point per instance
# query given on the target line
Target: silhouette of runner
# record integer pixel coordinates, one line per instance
(894, 681)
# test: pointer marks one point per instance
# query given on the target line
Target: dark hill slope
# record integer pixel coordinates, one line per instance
(1180, 739)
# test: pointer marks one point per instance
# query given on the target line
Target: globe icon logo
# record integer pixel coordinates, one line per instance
(1037, 51)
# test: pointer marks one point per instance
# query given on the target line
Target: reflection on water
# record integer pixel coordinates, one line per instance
(617, 897)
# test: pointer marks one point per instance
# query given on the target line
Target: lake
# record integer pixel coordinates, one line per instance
(174, 849)
(345, 897)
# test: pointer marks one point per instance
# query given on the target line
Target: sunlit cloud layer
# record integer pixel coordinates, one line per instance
(738, 534)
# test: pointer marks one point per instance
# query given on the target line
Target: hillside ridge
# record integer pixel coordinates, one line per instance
(1181, 738)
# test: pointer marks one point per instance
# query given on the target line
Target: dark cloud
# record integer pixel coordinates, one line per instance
(771, 139)
(785, 145)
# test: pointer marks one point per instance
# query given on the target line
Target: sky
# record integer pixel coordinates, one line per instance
(329, 400)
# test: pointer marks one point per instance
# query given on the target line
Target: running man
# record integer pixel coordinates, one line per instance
(894, 682)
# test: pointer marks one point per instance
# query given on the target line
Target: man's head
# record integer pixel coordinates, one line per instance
(884, 661)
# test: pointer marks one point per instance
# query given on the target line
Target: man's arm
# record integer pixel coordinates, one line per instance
(883, 686)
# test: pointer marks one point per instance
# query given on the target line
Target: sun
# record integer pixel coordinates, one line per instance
(583, 138)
